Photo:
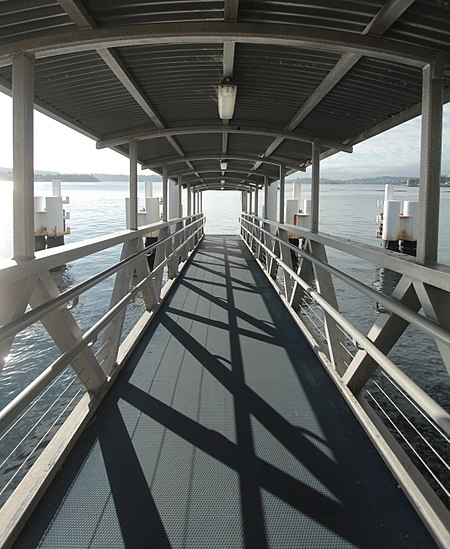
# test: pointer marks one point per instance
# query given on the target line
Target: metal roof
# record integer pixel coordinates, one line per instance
(337, 72)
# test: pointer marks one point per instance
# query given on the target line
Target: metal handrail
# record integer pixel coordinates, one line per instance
(25, 397)
(423, 400)
(429, 326)
(12, 271)
(27, 319)
(438, 276)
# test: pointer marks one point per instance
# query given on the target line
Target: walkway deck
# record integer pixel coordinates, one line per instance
(224, 431)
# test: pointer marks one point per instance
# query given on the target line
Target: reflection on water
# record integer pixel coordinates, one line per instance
(384, 281)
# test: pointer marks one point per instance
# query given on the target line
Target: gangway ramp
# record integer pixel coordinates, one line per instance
(224, 431)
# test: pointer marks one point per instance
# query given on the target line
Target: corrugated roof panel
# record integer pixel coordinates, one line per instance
(273, 82)
(180, 82)
(116, 12)
(83, 87)
(343, 15)
(151, 149)
(32, 18)
(370, 93)
(250, 144)
(426, 23)
(208, 143)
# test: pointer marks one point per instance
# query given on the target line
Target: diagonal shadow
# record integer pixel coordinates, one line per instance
(259, 324)
(250, 286)
(224, 326)
(138, 516)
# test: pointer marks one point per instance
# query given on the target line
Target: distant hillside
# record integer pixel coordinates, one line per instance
(41, 175)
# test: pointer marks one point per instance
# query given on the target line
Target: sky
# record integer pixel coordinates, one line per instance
(60, 149)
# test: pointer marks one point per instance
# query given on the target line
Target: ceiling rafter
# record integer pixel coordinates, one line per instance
(231, 9)
(387, 15)
(239, 181)
(218, 171)
(81, 17)
(242, 130)
(213, 32)
(273, 160)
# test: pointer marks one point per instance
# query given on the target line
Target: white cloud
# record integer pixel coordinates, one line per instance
(394, 152)
(57, 148)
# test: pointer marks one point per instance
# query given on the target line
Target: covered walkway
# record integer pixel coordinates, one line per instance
(224, 431)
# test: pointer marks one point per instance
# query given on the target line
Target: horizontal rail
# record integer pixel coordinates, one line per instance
(13, 327)
(429, 326)
(11, 271)
(425, 402)
(24, 399)
(438, 275)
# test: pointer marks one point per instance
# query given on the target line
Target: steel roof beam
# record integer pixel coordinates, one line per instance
(231, 9)
(388, 14)
(294, 36)
(242, 130)
(276, 161)
(218, 171)
(216, 180)
(81, 17)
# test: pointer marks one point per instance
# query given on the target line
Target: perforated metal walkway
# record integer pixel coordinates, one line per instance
(224, 431)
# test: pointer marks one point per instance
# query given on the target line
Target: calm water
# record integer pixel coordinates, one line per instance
(98, 209)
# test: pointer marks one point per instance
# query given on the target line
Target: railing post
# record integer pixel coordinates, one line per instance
(23, 174)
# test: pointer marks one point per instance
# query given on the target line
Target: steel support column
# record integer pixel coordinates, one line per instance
(430, 163)
(256, 200)
(132, 152)
(180, 196)
(23, 175)
(266, 196)
(189, 199)
(165, 193)
(315, 182)
(282, 193)
(172, 192)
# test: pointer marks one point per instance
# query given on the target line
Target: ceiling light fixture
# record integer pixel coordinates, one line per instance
(223, 165)
(226, 95)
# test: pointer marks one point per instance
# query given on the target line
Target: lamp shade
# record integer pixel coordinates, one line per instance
(226, 100)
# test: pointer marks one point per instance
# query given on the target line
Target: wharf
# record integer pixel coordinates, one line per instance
(224, 430)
